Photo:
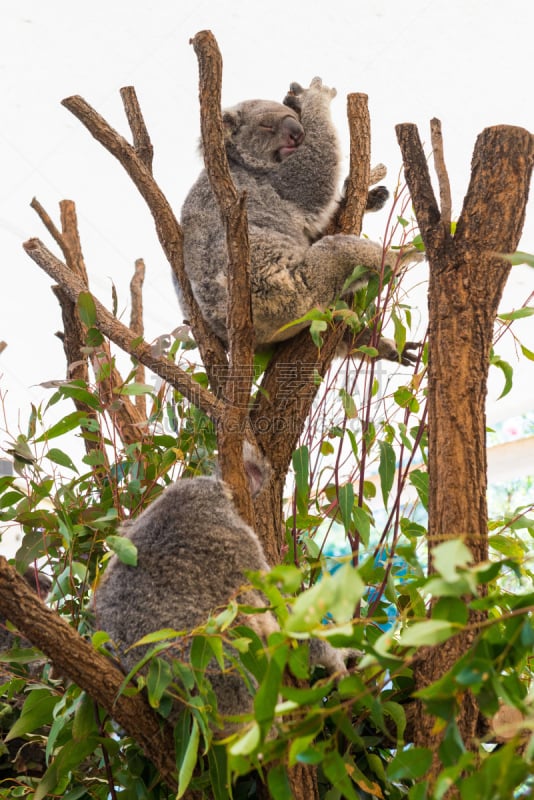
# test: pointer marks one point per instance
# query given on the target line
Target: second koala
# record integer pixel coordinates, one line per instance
(193, 550)
(287, 159)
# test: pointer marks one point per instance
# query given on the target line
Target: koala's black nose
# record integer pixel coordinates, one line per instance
(293, 129)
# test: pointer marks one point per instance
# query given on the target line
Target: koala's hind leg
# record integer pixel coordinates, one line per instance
(287, 282)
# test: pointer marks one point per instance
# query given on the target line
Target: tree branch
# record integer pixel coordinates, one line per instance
(136, 324)
(123, 336)
(441, 172)
(141, 139)
(94, 673)
(167, 227)
(241, 337)
(418, 180)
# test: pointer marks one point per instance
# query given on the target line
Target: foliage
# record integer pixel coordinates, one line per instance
(354, 575)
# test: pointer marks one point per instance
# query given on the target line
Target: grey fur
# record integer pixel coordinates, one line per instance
(193, 551)
(287, 159)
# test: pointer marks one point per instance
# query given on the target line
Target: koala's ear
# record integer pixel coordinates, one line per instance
(231, 120)
(257, 468)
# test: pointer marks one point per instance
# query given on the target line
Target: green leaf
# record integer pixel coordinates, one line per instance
(409, 764)
(429, 632)
(37, 711)
(346, 503)
(68, 423)
(124, 548)
(84, 723)
(519, 258)
(400, 332)
(362, 523)
(301, 465)
(527, 353)
(70, 755)
(386, 469)
(247, 742)
(419, 480)
(507, 371)
(218, 771)
(135, 389)
(348, 403)
(448, 557)
(519, 313)
(267, 694)
(187, 765)
(278, 782)
(80, 393)
(61, 458)
(158, 679)
(86, 309)
(334, 595)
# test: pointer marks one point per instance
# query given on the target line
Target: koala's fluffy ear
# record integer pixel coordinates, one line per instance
(232, 118)
(257, 468)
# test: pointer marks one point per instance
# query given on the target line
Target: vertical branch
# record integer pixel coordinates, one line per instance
(441, 171)
(136, 324)
(239, 313)
(351, 216)
(141, 139)
(466, 282)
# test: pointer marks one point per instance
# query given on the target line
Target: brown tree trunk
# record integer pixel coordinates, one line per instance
(467, 278)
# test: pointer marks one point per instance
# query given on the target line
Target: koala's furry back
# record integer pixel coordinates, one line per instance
(193, 550)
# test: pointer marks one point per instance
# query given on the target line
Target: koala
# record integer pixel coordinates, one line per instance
(286, 158)
(193, 550)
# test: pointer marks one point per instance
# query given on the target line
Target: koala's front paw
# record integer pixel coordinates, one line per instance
(376, 198)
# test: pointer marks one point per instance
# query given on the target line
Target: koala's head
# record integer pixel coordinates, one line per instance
(262, 132)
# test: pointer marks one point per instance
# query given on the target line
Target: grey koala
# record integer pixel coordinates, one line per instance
(287, 159)
(193, 550)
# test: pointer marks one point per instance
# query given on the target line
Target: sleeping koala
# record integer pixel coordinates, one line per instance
(193, 550)
(287, 160)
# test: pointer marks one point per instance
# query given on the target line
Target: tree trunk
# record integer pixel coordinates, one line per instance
(467, 278)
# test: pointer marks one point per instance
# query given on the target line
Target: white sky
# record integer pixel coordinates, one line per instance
(468, 62)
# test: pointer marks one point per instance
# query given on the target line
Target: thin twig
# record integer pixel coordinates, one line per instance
(441, 172)
(136, 323)
(140, 136)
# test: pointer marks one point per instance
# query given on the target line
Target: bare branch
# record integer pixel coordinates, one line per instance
(441, 172)
(136, 323)
(350, 219)
(140, 136)
(420, 186)
(239, 313)
(123, 336)
(167, 227)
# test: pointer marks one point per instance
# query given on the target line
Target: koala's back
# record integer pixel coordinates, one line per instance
(193, 550)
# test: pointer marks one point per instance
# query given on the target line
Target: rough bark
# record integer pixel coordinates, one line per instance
(467, 278)
(94, 673)
(232, 426)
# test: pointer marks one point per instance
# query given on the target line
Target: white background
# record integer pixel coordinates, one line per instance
(468, 62)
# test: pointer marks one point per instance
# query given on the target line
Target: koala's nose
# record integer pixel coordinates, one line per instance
(293, 130)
